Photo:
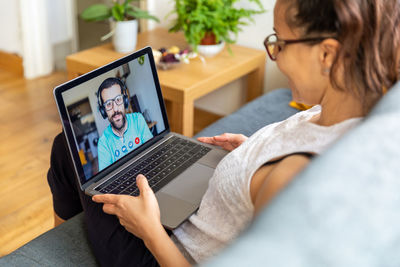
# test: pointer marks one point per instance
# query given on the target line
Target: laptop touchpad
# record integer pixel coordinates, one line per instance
(191, 184)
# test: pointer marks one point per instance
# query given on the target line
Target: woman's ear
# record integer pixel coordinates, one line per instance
(329, 48)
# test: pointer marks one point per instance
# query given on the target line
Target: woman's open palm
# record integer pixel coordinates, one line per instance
(227, 141)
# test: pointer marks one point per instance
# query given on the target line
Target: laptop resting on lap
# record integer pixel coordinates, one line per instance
(116, 125)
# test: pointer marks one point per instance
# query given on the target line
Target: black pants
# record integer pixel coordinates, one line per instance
(111, 243)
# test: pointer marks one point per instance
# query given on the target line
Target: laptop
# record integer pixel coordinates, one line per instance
(109, 149)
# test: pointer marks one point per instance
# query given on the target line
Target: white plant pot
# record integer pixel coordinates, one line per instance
(125, 35)
(210, 50)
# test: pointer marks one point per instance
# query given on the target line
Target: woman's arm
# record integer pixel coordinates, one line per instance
(141, 217)
(277, 178)
(165, 251)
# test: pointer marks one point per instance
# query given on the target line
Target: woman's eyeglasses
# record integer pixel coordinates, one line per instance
(275, 45)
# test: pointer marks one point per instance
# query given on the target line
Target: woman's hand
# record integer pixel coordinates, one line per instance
(139, 215)
(227, 141)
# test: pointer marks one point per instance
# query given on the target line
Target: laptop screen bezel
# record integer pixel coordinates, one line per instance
(68, 130)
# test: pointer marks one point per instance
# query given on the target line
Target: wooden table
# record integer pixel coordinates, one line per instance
(182, 85)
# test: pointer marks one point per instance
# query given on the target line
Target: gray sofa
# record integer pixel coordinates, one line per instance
(341, 211)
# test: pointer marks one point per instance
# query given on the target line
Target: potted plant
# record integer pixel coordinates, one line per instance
(212, 22)
(123, 17)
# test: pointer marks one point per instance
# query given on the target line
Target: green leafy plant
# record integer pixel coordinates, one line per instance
(219, 18)
(119, 11)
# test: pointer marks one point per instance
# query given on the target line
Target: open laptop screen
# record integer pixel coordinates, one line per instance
(113, 112)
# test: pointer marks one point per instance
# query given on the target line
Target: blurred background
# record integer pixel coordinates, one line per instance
(43, 32)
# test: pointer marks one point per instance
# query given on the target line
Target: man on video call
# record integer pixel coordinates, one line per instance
(126, 131)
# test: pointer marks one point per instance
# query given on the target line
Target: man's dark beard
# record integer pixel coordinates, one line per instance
(123, 121)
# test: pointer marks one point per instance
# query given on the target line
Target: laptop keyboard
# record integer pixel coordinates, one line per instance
(159, 166)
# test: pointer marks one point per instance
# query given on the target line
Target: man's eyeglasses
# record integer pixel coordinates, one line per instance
(108, 105)
(275, 45)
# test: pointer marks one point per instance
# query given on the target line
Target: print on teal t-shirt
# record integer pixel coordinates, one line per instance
(112, 147)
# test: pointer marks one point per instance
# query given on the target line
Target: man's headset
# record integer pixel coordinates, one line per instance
(107, 83)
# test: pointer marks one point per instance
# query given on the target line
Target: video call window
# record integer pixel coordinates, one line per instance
(125, 115)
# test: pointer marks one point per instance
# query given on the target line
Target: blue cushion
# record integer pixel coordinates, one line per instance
(264, 110)
(65, 245)
(343, 210)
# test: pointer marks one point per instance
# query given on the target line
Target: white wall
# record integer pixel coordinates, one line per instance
(252, 36)
(10, 24)
(10, 40)
(31, 29)
(141, 83)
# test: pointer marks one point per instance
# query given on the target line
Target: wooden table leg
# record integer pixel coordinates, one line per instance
(181, 117)
(255, 82)
(188, 118)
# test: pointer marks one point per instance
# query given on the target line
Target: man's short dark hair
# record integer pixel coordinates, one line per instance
(107, 83)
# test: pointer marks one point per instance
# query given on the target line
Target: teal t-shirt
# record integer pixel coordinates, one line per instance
(112, 147)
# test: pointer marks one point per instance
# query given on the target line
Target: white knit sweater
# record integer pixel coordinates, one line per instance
(226, 208)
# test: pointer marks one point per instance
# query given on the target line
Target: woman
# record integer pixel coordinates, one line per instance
(338, 55)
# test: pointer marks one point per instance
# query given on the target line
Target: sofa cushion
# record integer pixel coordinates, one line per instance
(65, 245)
(266, 109)
(343, 210)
